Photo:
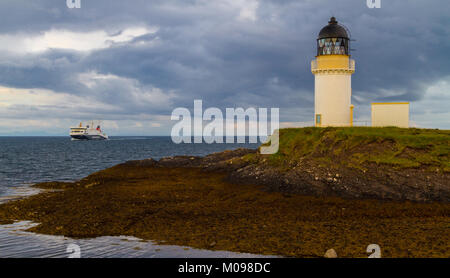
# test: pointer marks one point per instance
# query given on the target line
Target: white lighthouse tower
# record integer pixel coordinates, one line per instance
(332, 70)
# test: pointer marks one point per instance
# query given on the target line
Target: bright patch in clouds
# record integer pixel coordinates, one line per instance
(246, 8)
(433, 110)
(36, 99)
(28, 111)
(92, 78)
(131, 89)
(66, 39)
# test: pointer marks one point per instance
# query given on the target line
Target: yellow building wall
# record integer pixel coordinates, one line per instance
(333, 61)
(390, 114)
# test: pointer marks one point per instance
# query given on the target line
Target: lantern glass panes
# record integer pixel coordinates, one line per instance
(329, 46)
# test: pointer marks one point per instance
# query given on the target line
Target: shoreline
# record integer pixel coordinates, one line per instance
(19, 192)
(193, 201)
(17, 243)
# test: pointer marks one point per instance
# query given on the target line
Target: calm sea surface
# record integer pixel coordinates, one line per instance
(28, 160)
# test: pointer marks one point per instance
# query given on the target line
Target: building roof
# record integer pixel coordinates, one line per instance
(333, 30)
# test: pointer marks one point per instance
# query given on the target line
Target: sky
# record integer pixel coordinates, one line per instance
(131, 63)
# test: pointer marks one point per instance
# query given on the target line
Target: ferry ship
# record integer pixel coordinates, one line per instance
(87, 132)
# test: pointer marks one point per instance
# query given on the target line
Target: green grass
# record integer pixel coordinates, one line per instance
(356, 146)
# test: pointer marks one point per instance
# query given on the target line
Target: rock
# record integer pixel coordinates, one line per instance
(142, 163)
(330, 254)
(90, 185)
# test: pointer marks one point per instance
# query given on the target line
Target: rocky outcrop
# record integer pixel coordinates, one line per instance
(310, 178)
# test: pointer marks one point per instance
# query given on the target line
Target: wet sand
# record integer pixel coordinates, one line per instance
(201, 209)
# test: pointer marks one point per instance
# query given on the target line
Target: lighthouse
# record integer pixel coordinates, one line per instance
(333, 71)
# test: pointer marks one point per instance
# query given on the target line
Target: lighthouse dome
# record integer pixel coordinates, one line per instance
(333, 30)
(333, 40)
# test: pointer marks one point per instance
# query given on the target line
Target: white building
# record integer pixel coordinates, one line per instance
(390, 114)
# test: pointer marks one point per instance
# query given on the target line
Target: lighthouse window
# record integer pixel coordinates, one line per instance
(330, 46)
(321, 42)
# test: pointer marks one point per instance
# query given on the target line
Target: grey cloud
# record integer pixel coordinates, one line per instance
(203, 50)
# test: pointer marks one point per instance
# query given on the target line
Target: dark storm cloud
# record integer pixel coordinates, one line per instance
(213, 51)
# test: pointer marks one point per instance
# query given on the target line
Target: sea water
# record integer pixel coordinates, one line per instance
(28, 160)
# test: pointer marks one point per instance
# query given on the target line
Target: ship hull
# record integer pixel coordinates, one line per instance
(88, 137)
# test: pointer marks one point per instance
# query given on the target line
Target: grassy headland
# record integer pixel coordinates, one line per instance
(357, 162)
(358, 146)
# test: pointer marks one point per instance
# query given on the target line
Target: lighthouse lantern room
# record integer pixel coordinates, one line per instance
(332, 70)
